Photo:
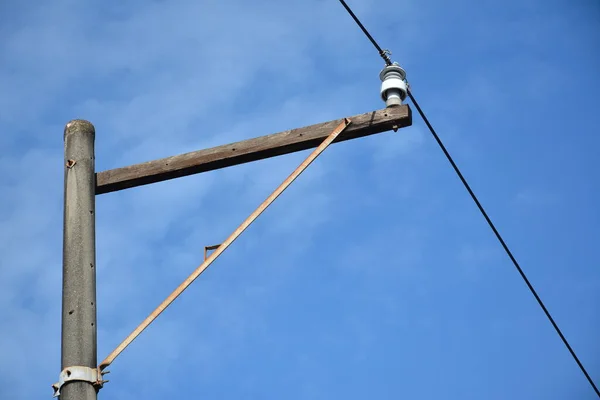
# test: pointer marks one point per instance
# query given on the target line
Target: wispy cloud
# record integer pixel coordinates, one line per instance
(348, 246)
(156, 81)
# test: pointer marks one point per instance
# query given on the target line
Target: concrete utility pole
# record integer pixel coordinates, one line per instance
(78, 353)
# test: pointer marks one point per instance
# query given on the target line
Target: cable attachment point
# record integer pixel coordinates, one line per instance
(82, 374)
(385, 54)
(394, 88)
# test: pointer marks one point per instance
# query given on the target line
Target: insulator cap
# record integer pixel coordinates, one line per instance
(393, 85)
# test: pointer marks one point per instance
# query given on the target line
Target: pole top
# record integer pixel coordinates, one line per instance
(79, 126)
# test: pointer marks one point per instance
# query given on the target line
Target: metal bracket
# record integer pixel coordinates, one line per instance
(82, 374)
(207, 248)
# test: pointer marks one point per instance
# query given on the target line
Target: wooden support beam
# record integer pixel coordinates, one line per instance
(249, 150)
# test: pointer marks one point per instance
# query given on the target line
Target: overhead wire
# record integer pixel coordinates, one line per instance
(503, 243)
(481, 209)
(382, 53)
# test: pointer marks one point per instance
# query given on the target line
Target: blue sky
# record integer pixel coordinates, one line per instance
(374, 276)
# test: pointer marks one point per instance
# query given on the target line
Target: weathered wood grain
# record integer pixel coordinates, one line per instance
(249, 150)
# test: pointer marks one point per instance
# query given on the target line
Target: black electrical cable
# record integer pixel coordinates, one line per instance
(503, 243)
(383, 54)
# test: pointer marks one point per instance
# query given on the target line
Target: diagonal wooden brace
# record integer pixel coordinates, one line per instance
(221, 248)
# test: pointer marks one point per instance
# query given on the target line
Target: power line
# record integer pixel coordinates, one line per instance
(503, 243)
(382, 53)
(481, 209)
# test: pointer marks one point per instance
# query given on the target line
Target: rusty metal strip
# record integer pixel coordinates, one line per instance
(221, 248)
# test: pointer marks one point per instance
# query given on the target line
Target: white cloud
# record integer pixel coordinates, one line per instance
(157, 80)
(161, 78)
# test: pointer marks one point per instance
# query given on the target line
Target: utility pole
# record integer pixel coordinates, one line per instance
(78, 352)
(81, 376)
